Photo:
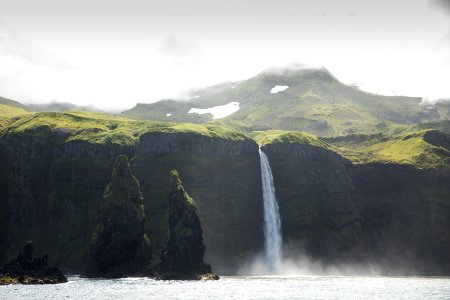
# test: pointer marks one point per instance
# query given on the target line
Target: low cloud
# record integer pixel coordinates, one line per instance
(15, 45)
(183, 50)
(443, 5)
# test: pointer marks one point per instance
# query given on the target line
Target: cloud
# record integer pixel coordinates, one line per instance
(443, 5)
(183, 50)
(16, 46)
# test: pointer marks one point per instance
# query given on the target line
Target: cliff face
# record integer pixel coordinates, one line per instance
(52, 186)
(224, 179)
(50, 190)
(316, 200)
(338, 211)
(406, 213)
(391, 204)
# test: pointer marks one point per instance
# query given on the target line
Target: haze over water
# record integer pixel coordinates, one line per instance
(279, 287)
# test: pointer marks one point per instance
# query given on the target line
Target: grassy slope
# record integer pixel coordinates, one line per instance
(99, 128)
(443, 126)
(10, 112)
(289, 137)
(410, 149)
(13, 103)
(158, 112)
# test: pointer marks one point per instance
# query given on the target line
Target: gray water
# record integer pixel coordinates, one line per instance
(272, 222)
(275, 287)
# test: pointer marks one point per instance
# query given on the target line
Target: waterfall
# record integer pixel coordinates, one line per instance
(272, 222)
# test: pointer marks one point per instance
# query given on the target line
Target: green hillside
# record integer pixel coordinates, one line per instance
(422, 149)
(9, 102)
(55, 106)
(10, 110)
(315, 102)
(101, 128)
(165, 110)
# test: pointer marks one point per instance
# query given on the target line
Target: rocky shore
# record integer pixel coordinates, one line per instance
(28, 270)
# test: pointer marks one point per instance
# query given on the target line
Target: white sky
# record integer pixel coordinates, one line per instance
(113, 54)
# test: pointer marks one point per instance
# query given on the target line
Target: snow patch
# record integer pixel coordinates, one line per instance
(278, 88)
(168, 115)
(218, 112)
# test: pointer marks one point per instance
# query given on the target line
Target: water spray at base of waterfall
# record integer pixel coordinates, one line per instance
(272, 221)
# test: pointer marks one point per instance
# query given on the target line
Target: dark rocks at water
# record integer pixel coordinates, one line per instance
(183, 256)
(120, 246)
(28, 270)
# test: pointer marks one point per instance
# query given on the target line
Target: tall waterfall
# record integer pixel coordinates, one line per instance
(272, 222)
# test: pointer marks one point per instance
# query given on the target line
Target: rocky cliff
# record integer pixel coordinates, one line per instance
(50, 190)
(55, 168)
(119, 246)
(377, 198)
(371, 209)
(222, 175)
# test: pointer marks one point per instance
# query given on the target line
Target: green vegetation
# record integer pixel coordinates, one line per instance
(98, 128)
(60, 107)
(165, 110)
(423, 149)
(8, 113)
(442, 126)
(177, 185)
(410, 149)
(9, 102)
(288, 137)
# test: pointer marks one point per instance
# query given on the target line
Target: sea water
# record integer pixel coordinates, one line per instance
(259, 287)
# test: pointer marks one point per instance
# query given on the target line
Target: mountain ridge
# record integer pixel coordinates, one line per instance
(314, 101)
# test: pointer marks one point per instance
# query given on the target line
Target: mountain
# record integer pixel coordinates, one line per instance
(56, 106)
(9, 110)
(13, 103)
(165, 110)
(310, 100)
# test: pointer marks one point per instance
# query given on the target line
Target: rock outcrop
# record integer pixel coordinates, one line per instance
(119, 246)
(183, 257)
(28, 270)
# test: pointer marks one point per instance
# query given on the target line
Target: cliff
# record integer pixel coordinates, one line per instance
(222, 175)
(120, 246)
(56, 166)
(383, 201)
(368, 198)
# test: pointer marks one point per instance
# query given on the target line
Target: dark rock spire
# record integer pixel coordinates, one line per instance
(183, 257)
(120, 246)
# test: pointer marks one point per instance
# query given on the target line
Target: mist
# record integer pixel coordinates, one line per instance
(296, 262)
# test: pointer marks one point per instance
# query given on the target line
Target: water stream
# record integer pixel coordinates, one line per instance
(272, 221)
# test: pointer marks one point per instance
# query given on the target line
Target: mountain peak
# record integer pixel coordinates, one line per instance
(294, 69)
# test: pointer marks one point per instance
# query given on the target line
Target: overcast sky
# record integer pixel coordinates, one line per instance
(112, 53)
